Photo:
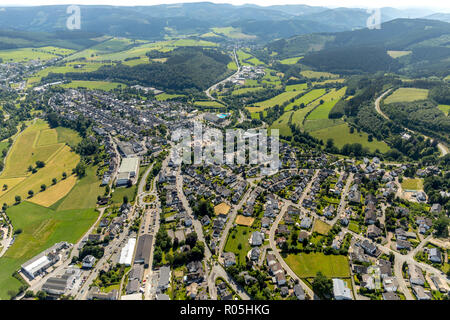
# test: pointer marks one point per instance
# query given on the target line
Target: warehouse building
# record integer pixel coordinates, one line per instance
(128, 171)
(126, 255)
(40, 263)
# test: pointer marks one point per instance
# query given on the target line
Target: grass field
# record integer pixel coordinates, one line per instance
(297, 87)
(41, 228)
(307, 265)
(306, 99)
(233, 33)
(398, 54)
(279, 99)
(407, 95)
(341, 135)
(322, 111)
(282, 124)
(55, 192)
(211, 104)
(321, 227)
(26, 54)
(84, 194)
(245, 90)
(412, 184)
(291, 60)
(68, 67)
(166, 96)
(119, 193)
(316, 74)
(444, 108)
(99, 85)
(242, 235)
(69, 136)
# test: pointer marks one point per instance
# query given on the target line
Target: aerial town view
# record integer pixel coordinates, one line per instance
(224, 151)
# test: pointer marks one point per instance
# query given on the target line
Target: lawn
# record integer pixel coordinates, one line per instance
(93, 85)
(41, 228)
(353, 226)
(341, 135)
(412, 184)
(321, 227)
(119, 193)
(307, 265)
(407, 95)
(444, 108)
(242, 235)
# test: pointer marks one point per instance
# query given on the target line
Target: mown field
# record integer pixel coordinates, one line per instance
(407, 95)
(317, 74)
(341, 135)
(412, 184)
(291, 60)
(307, 265)
(93, 85)
(321, 227)
(26, 54)
(397, 54)
(277, 100)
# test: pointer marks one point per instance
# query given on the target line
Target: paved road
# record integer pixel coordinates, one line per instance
(273, 246)
(442, 147)
(213, 87)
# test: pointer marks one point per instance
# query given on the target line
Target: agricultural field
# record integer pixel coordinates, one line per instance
(233, 33)
(306, 99)
(317, 75)
(322, 111)
(55, 192)
(210, 104)
(41, 228)
(341, 136)
(306, 265)
(444, 108)
(166, 96)
(68, 67)
(398, 54)
(297, 87)
(407, 95)
(93, 85)
(282, 124)
(245, 90)
(412, 184)
(279, 99)
(26, 54)
(291, 60)
(232, 66)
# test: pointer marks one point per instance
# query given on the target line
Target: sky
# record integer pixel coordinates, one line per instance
(438, 5)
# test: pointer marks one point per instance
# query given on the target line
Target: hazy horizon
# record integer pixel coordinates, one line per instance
(435, 5)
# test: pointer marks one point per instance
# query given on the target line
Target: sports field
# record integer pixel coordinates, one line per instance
(407, 95)
(307, 265)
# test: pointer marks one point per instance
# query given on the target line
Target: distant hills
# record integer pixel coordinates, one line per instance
(156, 22)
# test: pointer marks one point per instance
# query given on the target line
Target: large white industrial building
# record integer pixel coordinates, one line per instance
(128, 170)
(126, 255)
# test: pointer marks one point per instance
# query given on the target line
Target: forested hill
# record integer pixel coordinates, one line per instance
(186, 68)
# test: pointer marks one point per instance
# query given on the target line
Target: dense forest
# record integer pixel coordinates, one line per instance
(187, 68)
